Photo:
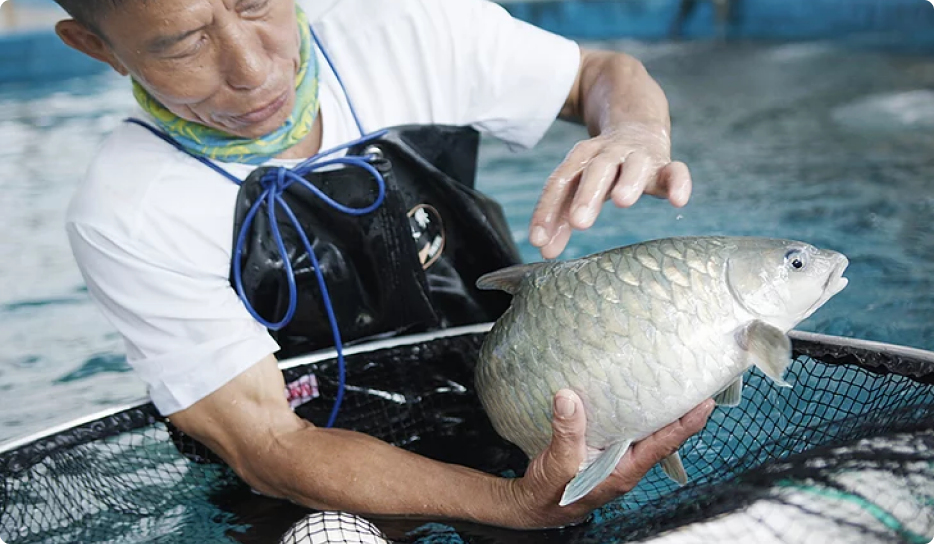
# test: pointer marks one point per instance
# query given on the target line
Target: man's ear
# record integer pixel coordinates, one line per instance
(79, 37)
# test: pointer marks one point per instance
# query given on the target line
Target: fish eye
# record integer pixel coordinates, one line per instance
(796, 259)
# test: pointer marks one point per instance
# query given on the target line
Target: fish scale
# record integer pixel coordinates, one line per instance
(673, 272)
(643, 333)
(584, 300)
(646, 259)
(587, 274)
(604, 287)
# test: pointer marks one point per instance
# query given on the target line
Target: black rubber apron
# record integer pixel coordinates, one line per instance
(409, 266)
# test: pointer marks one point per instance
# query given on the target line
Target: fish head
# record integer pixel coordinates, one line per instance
(782, 282)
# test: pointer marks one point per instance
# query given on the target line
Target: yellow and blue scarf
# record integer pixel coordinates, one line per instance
(207, 142)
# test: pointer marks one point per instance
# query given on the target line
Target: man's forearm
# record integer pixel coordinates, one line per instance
(336, 469)
(615, 89)
(248, 423)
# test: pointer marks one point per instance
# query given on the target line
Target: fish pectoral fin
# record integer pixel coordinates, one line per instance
(731, 394)
(674, 468)
(598, 471)
(507, 279)
(769, 348)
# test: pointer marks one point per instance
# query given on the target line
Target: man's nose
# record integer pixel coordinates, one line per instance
(247, 64)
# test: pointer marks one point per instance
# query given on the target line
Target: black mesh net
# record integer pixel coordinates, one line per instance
(845, 455)
(322, 527)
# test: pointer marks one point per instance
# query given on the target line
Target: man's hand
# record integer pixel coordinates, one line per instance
(538, 492)
(628, 153)
(621, 164)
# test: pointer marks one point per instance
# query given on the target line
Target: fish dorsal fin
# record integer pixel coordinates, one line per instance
(507, 279)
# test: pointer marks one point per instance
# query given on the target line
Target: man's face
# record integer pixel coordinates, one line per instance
(227, 64)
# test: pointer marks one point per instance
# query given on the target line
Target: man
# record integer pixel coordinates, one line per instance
(234, 85)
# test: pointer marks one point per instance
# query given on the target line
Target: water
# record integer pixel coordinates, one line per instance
(799, 141)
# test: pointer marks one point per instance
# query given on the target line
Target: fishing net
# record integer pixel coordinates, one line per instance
(322, 527)
(845, 455)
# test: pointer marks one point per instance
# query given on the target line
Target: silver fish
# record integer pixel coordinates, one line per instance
(644, 333)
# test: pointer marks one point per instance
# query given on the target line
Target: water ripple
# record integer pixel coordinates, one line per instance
(96, 365)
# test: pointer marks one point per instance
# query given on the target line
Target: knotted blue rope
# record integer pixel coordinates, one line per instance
(275, 182)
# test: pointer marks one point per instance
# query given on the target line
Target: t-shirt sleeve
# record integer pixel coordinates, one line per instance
(519, 75)
(186, 331)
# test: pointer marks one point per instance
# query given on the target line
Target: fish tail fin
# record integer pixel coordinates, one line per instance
(598, 471)
(674, 468)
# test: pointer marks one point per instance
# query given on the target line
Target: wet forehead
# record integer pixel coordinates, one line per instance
(155, 25)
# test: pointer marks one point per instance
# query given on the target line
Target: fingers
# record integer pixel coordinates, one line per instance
(551, 205)
(600, 169)
(537, 493)
(557, 244)
(568, 446)
(674, 183)
(596, 180)
(637, 172)
(548, 474)
(648, 452)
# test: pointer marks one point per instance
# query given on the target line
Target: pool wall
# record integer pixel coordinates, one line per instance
(905, 21)
(30, 51)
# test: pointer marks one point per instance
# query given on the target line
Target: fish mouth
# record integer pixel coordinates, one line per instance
(836, 282)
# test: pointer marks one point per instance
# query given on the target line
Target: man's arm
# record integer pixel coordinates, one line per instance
(249, 424)
(612, 89)
(629, 153)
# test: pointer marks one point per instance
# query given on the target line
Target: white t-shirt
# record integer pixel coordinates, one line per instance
(151, 227)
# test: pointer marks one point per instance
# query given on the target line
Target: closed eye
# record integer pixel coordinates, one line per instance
(164, 45)
(252, 7)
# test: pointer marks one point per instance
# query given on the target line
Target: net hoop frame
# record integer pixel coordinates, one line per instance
(879, 357)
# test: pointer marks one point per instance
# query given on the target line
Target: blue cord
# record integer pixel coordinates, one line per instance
(275, 182)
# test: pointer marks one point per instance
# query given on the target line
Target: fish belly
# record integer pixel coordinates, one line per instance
(627, 393)
(648, 391)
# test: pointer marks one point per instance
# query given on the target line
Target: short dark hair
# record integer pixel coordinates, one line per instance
(89, 12)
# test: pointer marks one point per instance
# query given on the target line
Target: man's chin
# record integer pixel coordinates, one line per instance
(256, 131)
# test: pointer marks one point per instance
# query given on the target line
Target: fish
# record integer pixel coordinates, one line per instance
(644, 333)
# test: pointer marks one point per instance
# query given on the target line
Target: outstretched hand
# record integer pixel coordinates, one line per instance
(538, 492)
(621, 164)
